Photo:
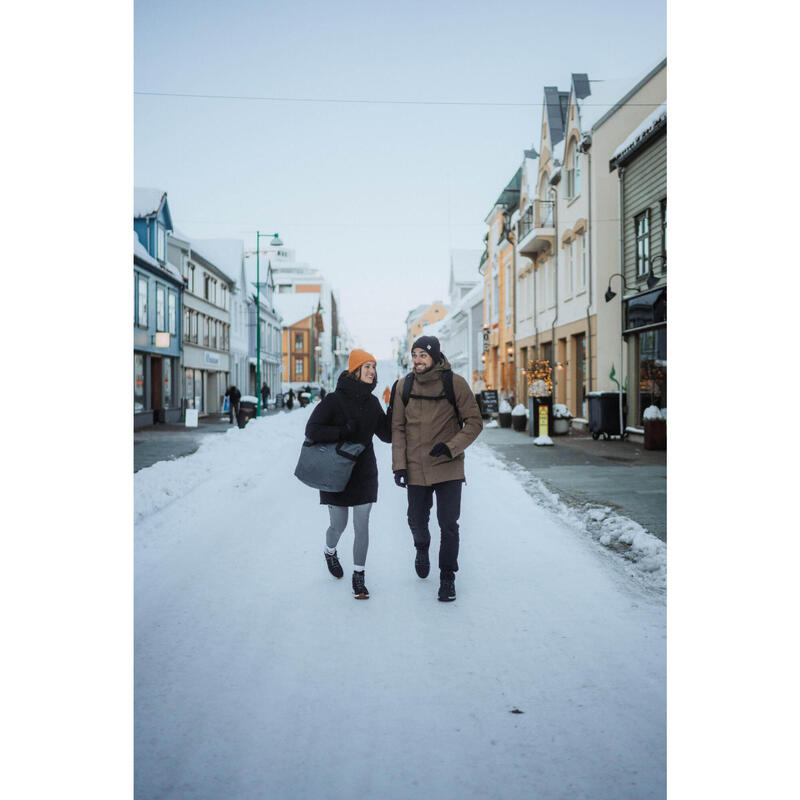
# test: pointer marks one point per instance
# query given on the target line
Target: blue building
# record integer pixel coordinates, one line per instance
(157, 314)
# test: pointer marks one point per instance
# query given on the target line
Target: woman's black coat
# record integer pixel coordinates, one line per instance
(352, 400)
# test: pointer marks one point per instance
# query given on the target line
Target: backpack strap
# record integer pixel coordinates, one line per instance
(449, 393)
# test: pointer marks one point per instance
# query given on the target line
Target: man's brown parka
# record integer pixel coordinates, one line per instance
(421, 424)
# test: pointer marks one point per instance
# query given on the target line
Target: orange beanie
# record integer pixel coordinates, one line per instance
(357, 358)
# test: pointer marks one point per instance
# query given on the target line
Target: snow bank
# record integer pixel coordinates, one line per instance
(504, 407)
(519, 411)
(543, 440)
(652, 412)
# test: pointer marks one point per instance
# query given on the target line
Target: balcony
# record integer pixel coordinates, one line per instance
(536, 228)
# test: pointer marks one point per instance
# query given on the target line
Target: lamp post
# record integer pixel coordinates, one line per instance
(276, 240)
(610, 295)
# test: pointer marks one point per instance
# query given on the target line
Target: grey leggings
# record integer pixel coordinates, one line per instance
(360, 525)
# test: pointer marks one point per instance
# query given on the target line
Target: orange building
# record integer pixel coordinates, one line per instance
(421, 316)
(300, 356)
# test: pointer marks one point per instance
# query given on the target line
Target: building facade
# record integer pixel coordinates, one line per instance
(158, 297)
(641, 160)
(206, 326)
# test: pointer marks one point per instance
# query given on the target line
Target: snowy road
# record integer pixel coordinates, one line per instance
(257, 675)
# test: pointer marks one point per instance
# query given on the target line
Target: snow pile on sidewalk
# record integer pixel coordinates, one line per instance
(644, 554)
(157, 486)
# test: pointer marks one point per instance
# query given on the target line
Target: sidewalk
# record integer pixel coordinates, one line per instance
(166, 442)
(619, 474)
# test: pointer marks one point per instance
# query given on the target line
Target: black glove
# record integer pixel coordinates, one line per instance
(440, 449)
(349, 431)
(401, 478)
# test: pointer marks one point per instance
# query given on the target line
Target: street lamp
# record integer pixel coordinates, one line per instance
(276, 241)
(610, 295)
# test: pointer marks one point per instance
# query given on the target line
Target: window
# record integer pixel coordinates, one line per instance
(664, 232)
(584, 260)
(551, 282)
(643, 243)
(574, 172)
(191, 279)
(571, 271)
(298, 367)
(195, 325)
(495, 300)
(161, 241)
(172, 313)
(298, 341)
(142, 312)
(206, 331)
(187, 325)
(160, 309)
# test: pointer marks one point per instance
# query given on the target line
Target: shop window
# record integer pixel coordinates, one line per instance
(652, 347)
(138, 382)
(166, 392)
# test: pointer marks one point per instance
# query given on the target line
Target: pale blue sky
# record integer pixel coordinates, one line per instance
(373, 195)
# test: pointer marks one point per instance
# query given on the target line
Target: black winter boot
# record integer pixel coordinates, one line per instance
(334, 567)
(447, 589)
(359, 590)
(422, 564)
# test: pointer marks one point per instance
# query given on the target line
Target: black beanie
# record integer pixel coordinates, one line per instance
(431, 345)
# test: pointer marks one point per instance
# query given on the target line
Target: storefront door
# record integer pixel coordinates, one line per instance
(155, 383)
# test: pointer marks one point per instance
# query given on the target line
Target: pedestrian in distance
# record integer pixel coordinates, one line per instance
(352, 413)
(265, 393)
(434, 419)
(322, 393)
(234, 396)
(387, 394)
(290, 399)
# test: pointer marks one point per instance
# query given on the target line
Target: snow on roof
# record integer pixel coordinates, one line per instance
(295, 306)
(464, 264)
(140, 251)
(146, 202)
(641, 130)
(175, 233)
(418, 311)
(227, 254)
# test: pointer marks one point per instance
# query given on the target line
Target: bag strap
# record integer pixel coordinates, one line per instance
(449, 393)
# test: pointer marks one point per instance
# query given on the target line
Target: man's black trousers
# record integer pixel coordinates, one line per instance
(448, 510)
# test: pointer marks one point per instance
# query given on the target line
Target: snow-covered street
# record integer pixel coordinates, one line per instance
(257, 675)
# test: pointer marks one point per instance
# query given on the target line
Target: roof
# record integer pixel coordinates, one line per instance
(147, 202)
(227, 254)
(417, 312)
(651, 124)
(464, 265)
(607, 98)
(555, 110)
(140, 252)
(510, 195)
(293, 307)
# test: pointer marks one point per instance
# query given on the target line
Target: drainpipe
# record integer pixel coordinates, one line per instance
(585, 147)
(514, 305)
(554, 190)
(621, 171)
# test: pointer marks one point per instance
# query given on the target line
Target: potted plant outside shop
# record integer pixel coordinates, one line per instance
(504, 414)
(562, 419)
(519, 418)
(655, 428)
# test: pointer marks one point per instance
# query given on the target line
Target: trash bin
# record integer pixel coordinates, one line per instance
(540, 416)
(247, 410)
(604, 413)
(519, 417)
(655, 434)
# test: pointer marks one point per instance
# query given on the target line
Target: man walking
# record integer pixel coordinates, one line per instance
(234, 396)
(433, 421)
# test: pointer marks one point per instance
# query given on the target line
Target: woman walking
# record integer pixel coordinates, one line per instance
(352, 413)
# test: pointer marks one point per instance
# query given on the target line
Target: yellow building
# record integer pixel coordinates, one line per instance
(420, 317)
(498, 268)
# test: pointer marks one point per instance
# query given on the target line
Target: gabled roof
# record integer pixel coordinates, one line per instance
(147, 202)
(555, 110)
(140, 253)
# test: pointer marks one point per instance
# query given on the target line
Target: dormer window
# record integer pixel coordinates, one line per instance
(161, 243)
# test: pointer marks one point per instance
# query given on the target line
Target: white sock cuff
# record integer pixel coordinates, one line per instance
(330, 551)
(356, 568)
